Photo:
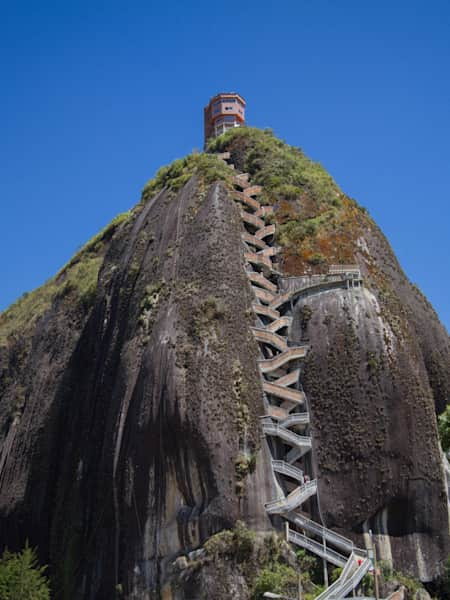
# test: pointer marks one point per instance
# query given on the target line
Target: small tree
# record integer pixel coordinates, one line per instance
(444, 428)
(21, 577)
(278, 579)
(443, 589)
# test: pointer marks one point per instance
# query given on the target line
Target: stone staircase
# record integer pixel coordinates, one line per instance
(286, 422)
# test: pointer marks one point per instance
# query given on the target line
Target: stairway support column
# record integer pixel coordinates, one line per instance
(325, 565)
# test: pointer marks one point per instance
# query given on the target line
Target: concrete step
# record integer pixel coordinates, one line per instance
(248, 238)
(271, 364)
(247, 200)
(253, 190)
(265, 231)
(262, 295)
(273, 339)
(285, 393)
(265, 311)
(252, 219)
(259, 279)
(258, 259)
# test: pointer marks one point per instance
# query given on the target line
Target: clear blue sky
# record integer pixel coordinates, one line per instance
(95, 96)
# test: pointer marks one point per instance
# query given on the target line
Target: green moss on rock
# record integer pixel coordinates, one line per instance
(174, 176)
(77, 279)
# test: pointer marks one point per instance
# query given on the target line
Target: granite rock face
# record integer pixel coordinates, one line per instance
(374, 377)
(136, 414)
(129, 425)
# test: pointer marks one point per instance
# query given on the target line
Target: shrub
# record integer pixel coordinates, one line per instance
(243, 465)
(336, 573)
(305, 316)
(443, 585)
(279, 579)
(237, 543)
(178, 173)
(21, 577)
(368, 584)
(152, 295)
(213, 308)
(317, 259)
(444, 429)
(311, 564)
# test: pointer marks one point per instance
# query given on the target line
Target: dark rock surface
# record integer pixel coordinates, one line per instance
(122, 424)
(134, 416)
(376, 370)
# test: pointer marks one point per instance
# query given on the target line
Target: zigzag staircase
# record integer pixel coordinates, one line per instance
(286, 422)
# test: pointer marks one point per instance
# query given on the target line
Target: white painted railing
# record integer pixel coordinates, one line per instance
(337, 269)
(354, 579)
(285, 468)
(331, 536)
(270, 428)
(296, 419)
(295, 499)
(330, 555)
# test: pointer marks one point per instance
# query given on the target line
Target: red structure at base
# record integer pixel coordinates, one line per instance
(224, 111)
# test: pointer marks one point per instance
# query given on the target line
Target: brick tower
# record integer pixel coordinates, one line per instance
(223, 112)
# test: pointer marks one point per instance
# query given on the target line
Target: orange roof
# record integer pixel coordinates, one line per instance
(221, 94)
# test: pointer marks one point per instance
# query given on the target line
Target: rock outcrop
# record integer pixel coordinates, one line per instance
(130, 394)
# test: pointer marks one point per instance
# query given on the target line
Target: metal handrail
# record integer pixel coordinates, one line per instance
(294, 499)
(331, 536)
(305, 542)
(356, 577)
(287, 435)
(285, 468)
(296, 419)
(333, 269)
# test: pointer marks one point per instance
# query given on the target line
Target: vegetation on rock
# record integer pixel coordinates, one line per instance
(173, 299)
(237, 543)
(21, 576)
(317, 223)
(77, 280)
(179, 172)
(278, 579)
(444, 429)
(265, 563)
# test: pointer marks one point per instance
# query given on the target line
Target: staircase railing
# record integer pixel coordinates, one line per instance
(330, 555)
(294, 499)
(285, 468)
(331, 536)
(296, 419)
(287, 435)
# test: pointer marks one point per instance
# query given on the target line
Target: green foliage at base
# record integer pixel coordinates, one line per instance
(174, 176)
(387, 573)
(443, 584)
(237, 543)
(444, 429)
(77, 279)
(266, 563)
(21, 577)
(278, 579)
(310, 566)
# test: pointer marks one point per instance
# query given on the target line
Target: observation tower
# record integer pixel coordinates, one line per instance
(224, 111)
